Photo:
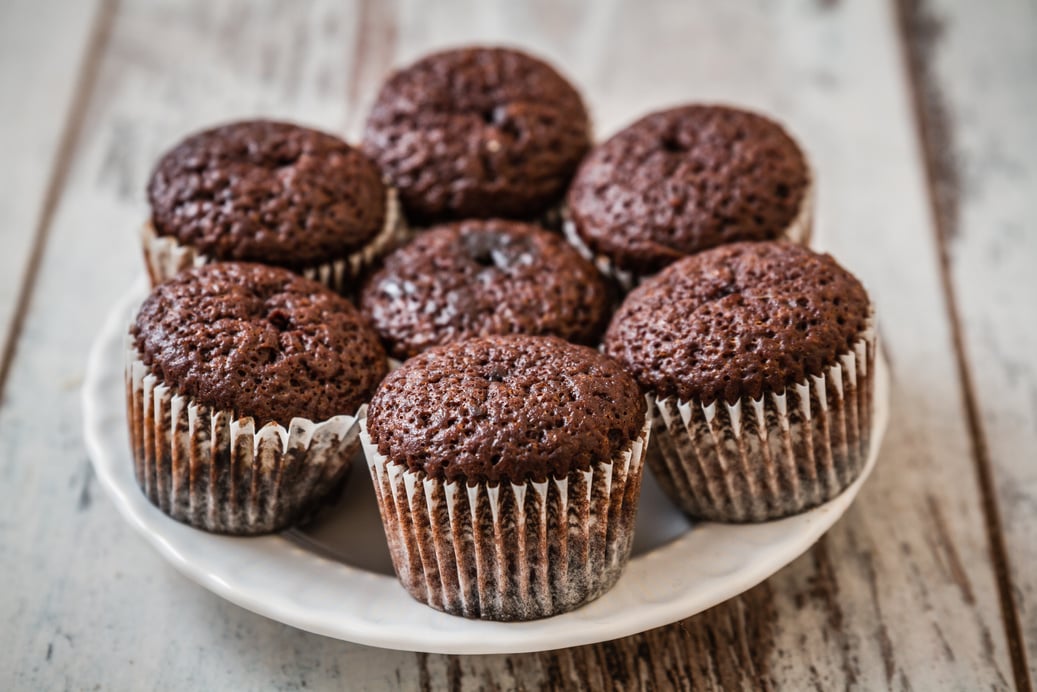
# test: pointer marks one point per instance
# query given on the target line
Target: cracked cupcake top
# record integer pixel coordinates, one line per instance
(738, 320)
(479, 278)
(477, 133)
(259, 341)
(506, 409)
(684, 180)
(268, 192)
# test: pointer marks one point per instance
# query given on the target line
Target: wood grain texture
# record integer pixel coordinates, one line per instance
(85, 603)
(44, 65)
(900, 594)
(973, 65)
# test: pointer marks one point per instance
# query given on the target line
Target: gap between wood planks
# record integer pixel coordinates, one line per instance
(918, 30)
(908, 14)
(70, 135)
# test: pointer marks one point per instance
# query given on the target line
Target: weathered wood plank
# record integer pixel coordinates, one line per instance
(85, 603)
(899, 594)
(43, 45)
(973, 68)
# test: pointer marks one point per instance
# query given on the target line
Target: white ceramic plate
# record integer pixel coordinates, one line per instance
(335, 578)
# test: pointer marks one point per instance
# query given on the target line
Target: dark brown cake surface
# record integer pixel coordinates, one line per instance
(506, 409)
(738, 320)
(477, 132)
(260, 341)
(684, 180)
(483, 278)
(268, 192)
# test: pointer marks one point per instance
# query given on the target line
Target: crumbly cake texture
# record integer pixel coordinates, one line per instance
(478, 132)
(738, 320)
(684, 180)
(481, 278)
(259, 341)
(269, 192)
(505, 409)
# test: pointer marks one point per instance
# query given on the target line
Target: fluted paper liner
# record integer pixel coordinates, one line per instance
(509, 551)
(206, 468)
(798, 231)
(766, 458)
(165, 257)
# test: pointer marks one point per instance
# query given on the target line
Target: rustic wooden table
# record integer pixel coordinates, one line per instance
(919, 118)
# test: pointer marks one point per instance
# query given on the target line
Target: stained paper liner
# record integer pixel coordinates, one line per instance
(798, 231)
(165, 257)
(206, 468)
(767, 458)
(509, 551)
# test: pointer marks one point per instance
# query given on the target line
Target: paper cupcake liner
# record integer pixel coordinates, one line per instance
(767, 458)
(206, 468)
(625, 280)
(165, 257)
(510, 551)
(802, 227)
(798, 231)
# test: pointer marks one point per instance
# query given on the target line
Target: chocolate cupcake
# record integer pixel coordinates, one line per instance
(243, 385)
(508, 471)
(684, 180)
(758, 360)
(478, 133)
(484, 278)
(273, 193)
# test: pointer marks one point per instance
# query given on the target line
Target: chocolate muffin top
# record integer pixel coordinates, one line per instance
(505, 409)
(737, 321)
(481, 278)
(260, 341)
(684, 180)
(268, 192)
(477, 132)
